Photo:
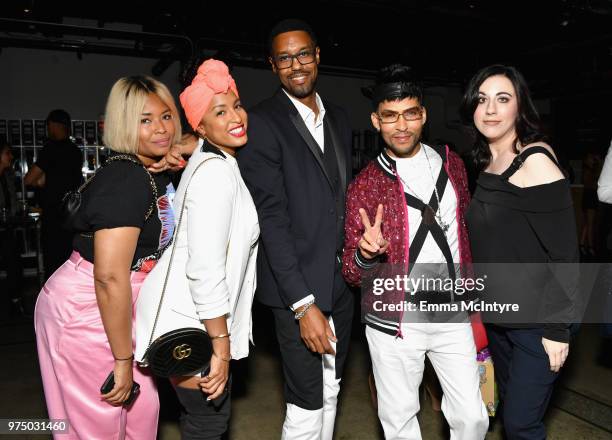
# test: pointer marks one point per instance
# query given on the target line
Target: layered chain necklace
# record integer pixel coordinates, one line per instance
(438, 213)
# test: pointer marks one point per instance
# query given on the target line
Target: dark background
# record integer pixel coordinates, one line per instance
(564, 48)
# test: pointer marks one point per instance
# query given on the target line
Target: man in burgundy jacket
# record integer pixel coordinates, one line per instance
(404, 216)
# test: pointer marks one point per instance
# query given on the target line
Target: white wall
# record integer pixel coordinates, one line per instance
(32, 82)
(442, 105)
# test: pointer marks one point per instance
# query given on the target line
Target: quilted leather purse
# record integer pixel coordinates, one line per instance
(183, 351)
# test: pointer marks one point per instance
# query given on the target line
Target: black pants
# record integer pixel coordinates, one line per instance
(56, 243)
(524, 380)
(301, 367)
(11, 259)
(202, 419)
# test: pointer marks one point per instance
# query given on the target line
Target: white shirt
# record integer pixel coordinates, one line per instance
(313, 123)
(418, 181)
(604, 185)
(316, 129)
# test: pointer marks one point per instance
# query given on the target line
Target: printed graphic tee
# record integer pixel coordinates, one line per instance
(120, 196)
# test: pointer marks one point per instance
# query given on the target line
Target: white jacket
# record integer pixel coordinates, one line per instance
(213, 271)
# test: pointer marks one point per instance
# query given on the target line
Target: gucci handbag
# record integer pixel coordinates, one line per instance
(180, 352)
(183, 351)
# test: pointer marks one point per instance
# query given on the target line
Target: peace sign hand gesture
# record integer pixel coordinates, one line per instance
(372, 242)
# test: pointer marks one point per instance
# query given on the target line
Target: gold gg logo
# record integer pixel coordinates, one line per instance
(181, 352)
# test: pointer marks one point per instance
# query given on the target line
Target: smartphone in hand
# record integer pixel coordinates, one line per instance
(109, 383)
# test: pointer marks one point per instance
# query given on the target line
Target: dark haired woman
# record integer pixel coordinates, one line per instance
(211, 272)
(521, 212)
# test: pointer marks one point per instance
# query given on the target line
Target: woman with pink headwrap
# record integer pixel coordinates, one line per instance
(212, 279)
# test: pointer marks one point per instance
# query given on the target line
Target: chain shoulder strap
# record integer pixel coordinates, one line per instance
(136, 161)
(174, 239)
(128, 158)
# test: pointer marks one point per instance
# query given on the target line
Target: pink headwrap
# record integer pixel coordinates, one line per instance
(213, 77)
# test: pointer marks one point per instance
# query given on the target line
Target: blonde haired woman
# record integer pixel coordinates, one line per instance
(84, 312)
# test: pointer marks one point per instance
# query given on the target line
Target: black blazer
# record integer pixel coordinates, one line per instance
(295, 199)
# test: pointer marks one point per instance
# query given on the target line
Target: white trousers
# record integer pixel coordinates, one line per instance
(398, 366)
(303, 424)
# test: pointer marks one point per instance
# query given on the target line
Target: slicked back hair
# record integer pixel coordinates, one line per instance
(395, 74)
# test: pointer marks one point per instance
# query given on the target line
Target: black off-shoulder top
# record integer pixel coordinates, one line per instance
(508, 224)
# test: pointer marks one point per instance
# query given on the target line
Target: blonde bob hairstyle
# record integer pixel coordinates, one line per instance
(124, 108)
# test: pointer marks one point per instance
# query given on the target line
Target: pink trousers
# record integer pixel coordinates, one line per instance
(75, 359)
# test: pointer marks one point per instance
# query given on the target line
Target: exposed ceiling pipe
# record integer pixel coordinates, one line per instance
(23, 33)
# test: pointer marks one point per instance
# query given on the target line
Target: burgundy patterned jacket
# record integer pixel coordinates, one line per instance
(378, 183)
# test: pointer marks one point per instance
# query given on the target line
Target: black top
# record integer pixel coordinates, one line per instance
(121, 195)
(8, 195)
(62, 162)
(509, 224)
(7, 199)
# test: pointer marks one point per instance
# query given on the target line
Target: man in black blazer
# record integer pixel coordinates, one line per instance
(297, 165)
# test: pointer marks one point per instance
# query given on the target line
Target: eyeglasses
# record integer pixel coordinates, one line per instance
(389, 117)
(285, 61)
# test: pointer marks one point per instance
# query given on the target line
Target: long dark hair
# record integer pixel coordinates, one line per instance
(527, 122)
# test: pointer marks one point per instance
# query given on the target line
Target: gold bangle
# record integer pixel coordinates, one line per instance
(124, 359)
(224, 335)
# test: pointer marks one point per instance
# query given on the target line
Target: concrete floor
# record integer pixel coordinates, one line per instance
(582, 407)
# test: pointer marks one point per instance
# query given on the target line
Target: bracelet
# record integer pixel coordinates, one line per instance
(363, 262)
(222, 358)
(224, 335)
(299, 315)
(124, 359)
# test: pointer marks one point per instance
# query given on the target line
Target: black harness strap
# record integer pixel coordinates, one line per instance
(520, 159)
(429, 224)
